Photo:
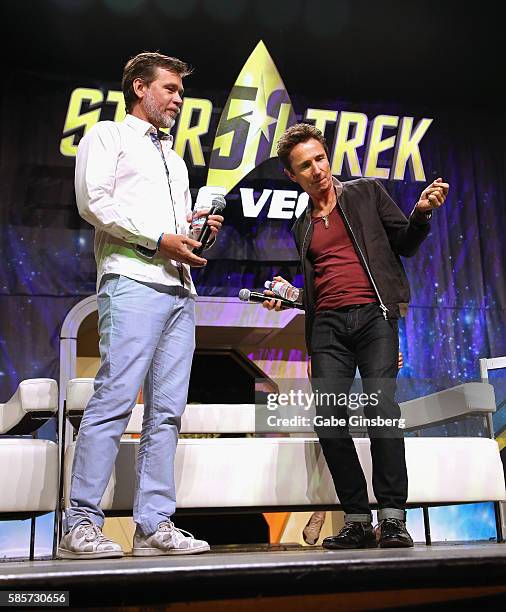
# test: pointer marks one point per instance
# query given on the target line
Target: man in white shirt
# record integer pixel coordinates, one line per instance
(133, 188)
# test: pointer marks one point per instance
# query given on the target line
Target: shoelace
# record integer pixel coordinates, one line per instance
(169, 526)
(348, 527)
(392, 522)
(92, 532)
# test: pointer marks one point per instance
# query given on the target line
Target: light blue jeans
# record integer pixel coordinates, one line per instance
(147, 338)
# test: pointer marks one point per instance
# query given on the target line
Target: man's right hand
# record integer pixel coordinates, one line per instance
(177, 247)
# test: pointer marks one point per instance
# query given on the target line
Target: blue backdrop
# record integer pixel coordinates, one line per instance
(457, 312)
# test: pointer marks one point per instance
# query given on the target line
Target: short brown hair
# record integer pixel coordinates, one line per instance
(142, 66)
(300, 132)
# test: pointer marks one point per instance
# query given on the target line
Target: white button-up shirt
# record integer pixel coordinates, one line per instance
(123, 191)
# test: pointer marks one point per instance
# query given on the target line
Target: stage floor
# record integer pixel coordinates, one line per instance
(260, 571)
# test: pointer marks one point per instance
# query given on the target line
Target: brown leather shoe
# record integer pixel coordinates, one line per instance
(312, 530)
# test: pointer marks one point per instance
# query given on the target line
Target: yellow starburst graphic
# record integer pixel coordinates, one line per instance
(257, 112)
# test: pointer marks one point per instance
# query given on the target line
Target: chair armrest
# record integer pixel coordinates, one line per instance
(33, 403)
(206, 419)
(444, 406)
(469, 399)
(79, 392)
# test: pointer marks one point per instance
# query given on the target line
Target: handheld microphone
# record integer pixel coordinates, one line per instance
(246, 295)
(217, 206)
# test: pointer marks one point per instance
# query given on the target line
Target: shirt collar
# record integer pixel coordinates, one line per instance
(144, 128)
(338, 186)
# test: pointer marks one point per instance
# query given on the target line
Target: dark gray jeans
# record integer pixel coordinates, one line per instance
(342, 340)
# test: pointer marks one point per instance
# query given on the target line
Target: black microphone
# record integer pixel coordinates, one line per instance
(217, 206)
(246, 295)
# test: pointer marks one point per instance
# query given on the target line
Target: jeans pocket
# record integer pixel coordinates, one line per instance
(108, 285)
(322, 337)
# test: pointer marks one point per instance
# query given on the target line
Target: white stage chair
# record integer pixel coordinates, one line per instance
(267, 473)
(486, 366)
(28, 466)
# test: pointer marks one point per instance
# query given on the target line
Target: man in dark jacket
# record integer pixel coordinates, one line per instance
(349, 240)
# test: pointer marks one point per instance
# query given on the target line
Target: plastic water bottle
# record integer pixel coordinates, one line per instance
(204, 202)
(198, 222)
(284, 290)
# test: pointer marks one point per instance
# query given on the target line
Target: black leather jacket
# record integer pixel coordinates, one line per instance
(380, 233)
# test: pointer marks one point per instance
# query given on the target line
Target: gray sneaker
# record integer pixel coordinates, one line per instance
(86, 541)
(167, 540)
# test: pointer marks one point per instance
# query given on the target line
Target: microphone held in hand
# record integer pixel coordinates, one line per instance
(252, 296)
(217, 206)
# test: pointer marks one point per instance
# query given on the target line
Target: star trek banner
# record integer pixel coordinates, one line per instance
(228, 140)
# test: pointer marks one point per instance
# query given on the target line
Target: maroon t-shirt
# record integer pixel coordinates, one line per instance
(339, 277)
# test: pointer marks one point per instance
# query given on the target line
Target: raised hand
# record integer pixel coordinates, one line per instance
(433, 196)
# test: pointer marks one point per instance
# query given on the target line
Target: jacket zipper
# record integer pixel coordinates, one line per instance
(384, 309)
(303, 245)
(303, 258)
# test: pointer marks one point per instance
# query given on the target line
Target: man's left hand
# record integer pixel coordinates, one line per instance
(215, 222)
(432, 196)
